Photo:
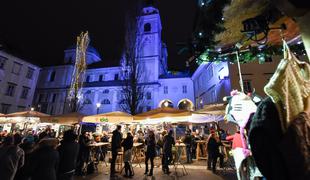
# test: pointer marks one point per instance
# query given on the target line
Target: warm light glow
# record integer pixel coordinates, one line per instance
(32, 109)
(98, 105)
(166, 104)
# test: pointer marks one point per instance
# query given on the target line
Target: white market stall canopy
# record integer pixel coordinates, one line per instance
(209, 113)
(64, 119)
(22, 117)
(111, 117)
(164, 114)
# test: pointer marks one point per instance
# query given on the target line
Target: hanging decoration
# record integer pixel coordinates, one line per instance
(250, 54)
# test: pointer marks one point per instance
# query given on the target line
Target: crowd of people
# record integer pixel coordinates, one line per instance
(43, 156)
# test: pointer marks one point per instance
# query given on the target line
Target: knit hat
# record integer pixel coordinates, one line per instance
(289, 86)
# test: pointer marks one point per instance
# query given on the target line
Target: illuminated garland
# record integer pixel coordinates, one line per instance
(252, 54)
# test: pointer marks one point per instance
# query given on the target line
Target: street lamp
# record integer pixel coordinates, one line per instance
(98, 106)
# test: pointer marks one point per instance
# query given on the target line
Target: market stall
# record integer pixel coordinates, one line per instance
(61, 123)
(108, 121)
(21, 120)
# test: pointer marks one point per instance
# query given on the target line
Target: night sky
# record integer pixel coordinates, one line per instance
(40, 31)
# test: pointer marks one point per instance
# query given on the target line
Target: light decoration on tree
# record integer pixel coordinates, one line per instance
(78, 74)
(250, 54)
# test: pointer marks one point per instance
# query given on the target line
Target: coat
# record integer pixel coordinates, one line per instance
(265, 135)
(11, 159)
(151, 147)
(68, 154)
(44, 163)
(116, 140)
(168, 142)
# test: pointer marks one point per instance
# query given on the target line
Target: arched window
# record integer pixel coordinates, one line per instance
(147, 27)
(87, 101)
(105, 101)
(106, 91)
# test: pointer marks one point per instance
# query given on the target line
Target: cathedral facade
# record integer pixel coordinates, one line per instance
(102, 90)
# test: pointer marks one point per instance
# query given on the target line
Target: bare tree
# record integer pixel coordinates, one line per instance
(133, 88)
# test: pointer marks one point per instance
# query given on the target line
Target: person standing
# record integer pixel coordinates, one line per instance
(128, 144)
(68, 153)
(11, 158)
(150, 152)
(167, 151)
(188, 141)
(213, 145)
(44, 160)
(84, 152)
(116, 146)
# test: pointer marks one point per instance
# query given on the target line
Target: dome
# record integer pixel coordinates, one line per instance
(90, 49)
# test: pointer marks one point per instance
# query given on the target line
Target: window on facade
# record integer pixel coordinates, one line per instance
(106, 91)
(116, 77)
(148, 95)
(148, 108)
(88, 79)
(165, 89)
(87, 101)
(213, 96)
(47, 96)
(88, 92)
(54, 98)
(30, 72)
(101, 78)
(147, 27)
(5, 108)
(10, 89)
(40, 98)
(16, 68)
(21, 108)
(52, 110)
(209, 72)
(2, 61)
(184, 89)
(52, 76)
(105, 101)
(25, 92)
(247, 86)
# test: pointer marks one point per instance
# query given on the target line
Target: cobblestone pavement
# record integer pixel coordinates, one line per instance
(196, 171)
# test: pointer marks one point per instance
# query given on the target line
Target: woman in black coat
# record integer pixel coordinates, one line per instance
(68, 153)
(150, 152)
(44, 160)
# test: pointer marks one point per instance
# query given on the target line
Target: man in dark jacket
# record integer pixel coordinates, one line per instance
(84, 152)
(167, 151)
(116, 145)
(188, 140)
(68, 153)
(214, 151)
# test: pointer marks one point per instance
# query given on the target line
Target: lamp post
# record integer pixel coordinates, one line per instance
(98, 106)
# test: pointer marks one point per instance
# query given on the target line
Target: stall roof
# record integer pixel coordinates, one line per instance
(212, 109)
(65, 119)
(161, 113)
(26, 114)
(111, 117)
